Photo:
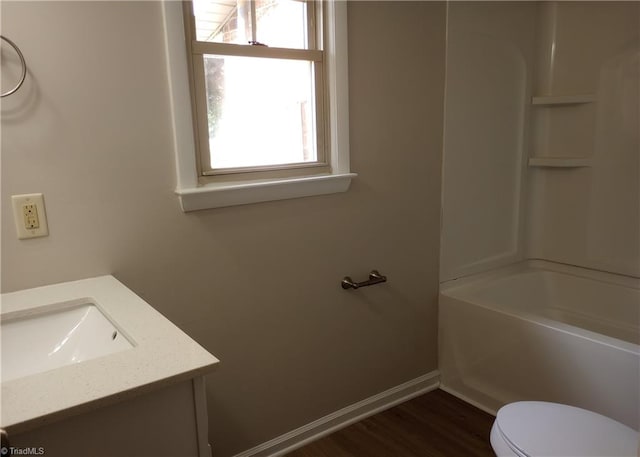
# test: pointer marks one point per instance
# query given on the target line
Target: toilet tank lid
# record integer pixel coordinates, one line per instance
(537, 428)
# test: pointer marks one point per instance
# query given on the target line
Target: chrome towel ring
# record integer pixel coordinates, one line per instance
(22, 62)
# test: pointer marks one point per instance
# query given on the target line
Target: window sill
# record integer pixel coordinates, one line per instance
(231, 194)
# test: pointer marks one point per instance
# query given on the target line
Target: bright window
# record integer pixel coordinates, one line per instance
(257, 76)
(267, 83)
(260, 120)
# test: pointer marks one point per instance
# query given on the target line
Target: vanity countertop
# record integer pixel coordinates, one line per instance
(162, 355)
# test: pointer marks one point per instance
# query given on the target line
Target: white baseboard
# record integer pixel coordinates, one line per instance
(345, 416)
(468, 400)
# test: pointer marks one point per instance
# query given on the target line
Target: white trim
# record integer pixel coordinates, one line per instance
(560, 162)
(345, 417)
(179, 97)
(202, 417)
(338, 84)
(266, 52)
(550, 100)
(468, 400)
(194, 196)
(235, 193)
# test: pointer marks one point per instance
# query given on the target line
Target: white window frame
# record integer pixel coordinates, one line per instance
(196, 195)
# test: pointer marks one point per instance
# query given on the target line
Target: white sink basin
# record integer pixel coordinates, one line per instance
(55, 336)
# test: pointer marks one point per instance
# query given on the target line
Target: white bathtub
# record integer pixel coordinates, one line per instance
(543, 331)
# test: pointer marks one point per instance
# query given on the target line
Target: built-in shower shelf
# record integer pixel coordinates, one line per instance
(559, 162)
(559, 100)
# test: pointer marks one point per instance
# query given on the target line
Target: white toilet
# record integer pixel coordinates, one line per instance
(535, 428)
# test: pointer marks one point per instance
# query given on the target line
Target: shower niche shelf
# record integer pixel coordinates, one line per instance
(559, 162)
(563, 100)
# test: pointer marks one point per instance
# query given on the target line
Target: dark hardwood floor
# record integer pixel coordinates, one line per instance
(435, 424)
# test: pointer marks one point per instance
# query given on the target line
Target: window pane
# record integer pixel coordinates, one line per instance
(282, 23)
(278, 23)
(261, 111)
(223, 21)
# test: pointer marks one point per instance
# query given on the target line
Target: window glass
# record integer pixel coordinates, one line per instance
(278, 23)
(260, 111)
(281, 23)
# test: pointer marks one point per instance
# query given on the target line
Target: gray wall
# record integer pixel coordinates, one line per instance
(257, 285)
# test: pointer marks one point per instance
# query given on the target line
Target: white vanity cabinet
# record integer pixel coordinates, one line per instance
(170, 422)
(78, 398)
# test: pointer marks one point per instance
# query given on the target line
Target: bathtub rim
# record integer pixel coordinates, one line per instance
(542, 265)
(448, 288)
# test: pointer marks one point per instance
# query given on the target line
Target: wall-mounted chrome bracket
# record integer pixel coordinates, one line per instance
(374, 278)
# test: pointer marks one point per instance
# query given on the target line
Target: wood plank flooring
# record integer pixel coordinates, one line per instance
(435, 424)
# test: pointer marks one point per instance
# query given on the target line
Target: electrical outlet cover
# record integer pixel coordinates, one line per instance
(24, 231)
